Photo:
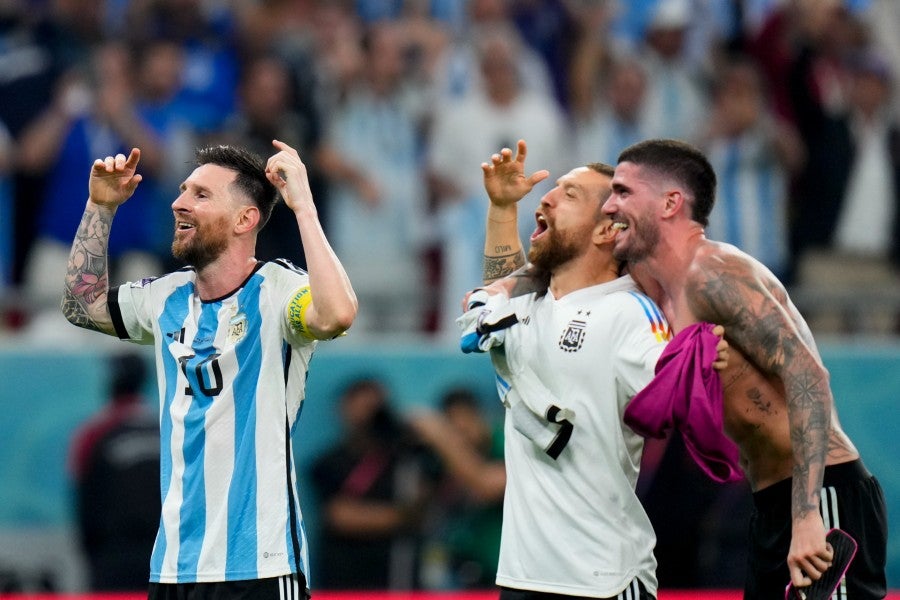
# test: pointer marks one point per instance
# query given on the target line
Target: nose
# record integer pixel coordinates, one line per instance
(549, 198)
(611, 206)
(179, 204)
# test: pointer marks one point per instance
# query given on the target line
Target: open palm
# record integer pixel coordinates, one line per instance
(505, 180)
(114, 179)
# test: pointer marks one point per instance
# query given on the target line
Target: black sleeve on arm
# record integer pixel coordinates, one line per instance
(115, 313)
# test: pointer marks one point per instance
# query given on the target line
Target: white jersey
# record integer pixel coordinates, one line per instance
(231, 375)
(574, 525)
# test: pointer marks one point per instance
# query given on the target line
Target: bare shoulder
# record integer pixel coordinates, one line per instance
(712, 255)
(724, 284)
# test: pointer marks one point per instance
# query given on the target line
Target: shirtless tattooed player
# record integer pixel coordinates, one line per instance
(805, 472)
(778, 407)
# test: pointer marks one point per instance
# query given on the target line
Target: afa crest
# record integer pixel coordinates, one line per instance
(572, 338)
(237, 328)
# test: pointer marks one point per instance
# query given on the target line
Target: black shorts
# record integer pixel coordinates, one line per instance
(634, 591)
(852, 500)
(286, 587)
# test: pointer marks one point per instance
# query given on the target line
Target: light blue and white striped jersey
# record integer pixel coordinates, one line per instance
(232, 376)
(751, 204)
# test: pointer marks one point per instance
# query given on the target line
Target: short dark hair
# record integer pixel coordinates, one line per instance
(460, 396)
(602, 168)
(128, 373)
(684, 163)
(251, 175)
(364, 383)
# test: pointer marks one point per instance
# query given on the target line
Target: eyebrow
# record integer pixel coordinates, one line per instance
(200, 188)
(618, 187)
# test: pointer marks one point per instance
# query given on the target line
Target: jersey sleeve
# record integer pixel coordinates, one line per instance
(294, 296)
(642, 334)
(295, 314)
(130, 306)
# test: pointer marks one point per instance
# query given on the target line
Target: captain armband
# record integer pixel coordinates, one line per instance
(296, 313)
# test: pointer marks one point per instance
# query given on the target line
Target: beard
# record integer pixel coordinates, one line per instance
(202, 248)
(555, 250)
(643, 236)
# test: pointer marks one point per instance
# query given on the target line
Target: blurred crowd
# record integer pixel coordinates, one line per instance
(409, 501)
(394, 104)
(403, 498)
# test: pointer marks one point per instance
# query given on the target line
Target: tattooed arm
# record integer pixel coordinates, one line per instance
(505, 183)
(525, 280)
(730, 289)
(113, 180)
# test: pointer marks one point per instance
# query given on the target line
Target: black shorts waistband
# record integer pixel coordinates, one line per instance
(835, 475)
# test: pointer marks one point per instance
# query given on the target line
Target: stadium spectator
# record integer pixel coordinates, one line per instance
(459, 71)
(7, 218)
(755, 156)
(97, 111)
(847, 230)
(470, 495)
(266, 111)
(378, 196)
(616, 119)
(502, 112)
(207, 35)
(114, 464)
(38, 46)
(675, 103)
(373, 486)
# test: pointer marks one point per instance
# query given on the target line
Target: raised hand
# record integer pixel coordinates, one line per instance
(504, 178)
(114, 179)
(288, 174)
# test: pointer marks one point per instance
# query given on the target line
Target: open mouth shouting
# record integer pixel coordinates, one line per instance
(541, 228)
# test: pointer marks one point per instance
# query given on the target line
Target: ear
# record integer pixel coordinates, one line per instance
(247, 220)
(603, 232)
(675, 202)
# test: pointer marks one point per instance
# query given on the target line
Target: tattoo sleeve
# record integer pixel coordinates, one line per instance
(502, 264)
(760, 326)
(87, 273)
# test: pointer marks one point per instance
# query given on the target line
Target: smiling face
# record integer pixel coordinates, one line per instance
(205, 212)
(567, 217)
(633, 206)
